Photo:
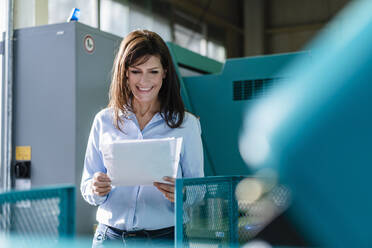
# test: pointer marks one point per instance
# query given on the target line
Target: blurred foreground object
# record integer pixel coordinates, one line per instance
(315, 130)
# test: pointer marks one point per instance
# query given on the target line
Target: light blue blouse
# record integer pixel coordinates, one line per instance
(138, 207)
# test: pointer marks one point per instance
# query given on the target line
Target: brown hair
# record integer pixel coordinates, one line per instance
(135, 49)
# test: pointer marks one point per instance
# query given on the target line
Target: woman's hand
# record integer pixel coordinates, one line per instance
(166, 188)
(101, 184)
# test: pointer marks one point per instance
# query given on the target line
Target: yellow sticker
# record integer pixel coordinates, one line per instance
(23, 152)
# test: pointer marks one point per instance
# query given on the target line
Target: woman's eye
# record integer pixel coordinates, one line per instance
(135, 72)
(154, 72)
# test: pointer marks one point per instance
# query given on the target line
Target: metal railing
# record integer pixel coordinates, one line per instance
(225, 211)
(44, 214)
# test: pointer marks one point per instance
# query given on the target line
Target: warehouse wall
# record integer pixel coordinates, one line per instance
(243, 27)
(292, 23)
(272, 26)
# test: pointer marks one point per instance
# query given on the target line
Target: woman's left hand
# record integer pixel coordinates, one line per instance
(166, 188)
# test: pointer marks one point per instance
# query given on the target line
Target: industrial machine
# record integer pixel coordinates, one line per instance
(220, 95)
(61, 80)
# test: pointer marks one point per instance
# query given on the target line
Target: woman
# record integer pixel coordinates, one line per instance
(145, 103)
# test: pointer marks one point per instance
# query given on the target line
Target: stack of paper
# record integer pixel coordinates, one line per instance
(141, 162)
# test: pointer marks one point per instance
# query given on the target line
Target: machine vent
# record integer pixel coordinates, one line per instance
(250, 89)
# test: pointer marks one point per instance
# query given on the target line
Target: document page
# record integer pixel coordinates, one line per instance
(141, 162)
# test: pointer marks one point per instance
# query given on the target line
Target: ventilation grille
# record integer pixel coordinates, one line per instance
(251, 89)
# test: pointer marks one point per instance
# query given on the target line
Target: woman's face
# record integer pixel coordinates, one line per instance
(145, 80)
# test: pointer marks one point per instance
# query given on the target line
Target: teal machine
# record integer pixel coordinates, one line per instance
(219, 94)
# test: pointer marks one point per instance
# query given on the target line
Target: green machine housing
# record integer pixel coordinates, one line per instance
(220, 94)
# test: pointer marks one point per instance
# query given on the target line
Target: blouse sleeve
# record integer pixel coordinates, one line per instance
(93, 163)
(192, 161)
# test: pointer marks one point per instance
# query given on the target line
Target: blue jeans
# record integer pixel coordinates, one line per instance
(106, 236)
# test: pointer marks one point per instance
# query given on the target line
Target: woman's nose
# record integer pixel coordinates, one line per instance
(145, 78)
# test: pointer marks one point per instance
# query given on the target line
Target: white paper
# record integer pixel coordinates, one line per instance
(141, 162)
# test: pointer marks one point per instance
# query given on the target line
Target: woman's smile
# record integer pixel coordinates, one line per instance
(144, 89)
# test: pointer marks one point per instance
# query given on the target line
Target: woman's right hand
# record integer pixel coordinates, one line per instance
(101, 184)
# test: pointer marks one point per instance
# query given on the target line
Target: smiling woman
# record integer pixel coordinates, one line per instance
(145, 103)
(144, 57)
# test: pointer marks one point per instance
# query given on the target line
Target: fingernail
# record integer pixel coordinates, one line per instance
(165, 178)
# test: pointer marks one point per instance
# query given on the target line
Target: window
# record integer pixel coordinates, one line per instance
(216, 51)
(189, 39)
(123, 16)
(120, 18)
(198, 43)
(142, 19)
(115, 17)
